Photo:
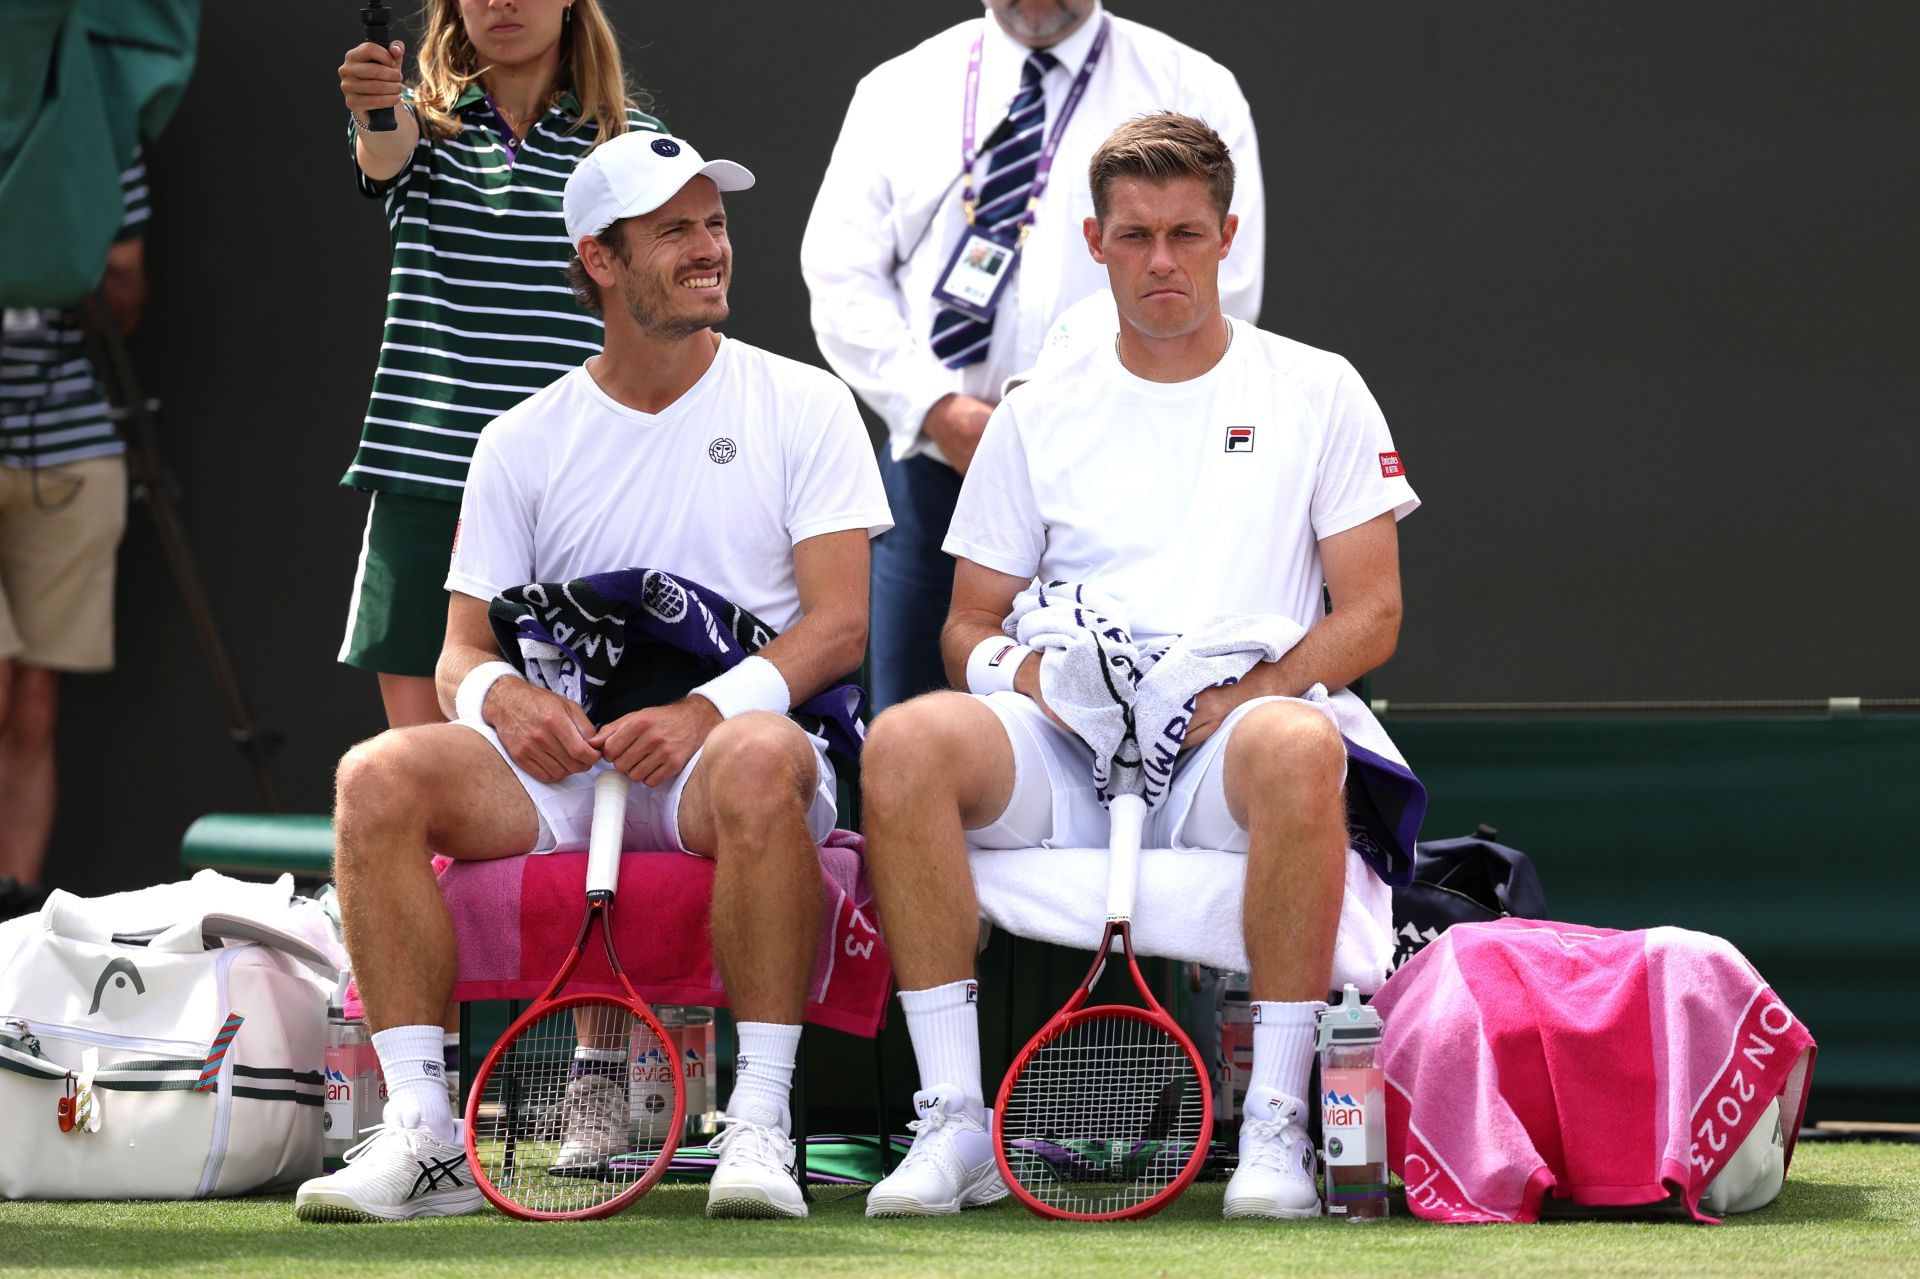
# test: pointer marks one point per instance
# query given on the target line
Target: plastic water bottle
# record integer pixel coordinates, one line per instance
(348, 1045)
(696, 1060)
(650, 1079)
(1236, 1048)
(1353, 1110)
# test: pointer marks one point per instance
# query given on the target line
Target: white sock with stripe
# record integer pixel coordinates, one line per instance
(1283, 1046)
(944, 1024)
(763, 1073)
(413, 1061)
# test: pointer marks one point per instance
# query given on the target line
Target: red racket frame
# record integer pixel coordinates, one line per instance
(1072, 1014)
(600, 908)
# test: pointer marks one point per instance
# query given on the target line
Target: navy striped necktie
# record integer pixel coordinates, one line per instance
(959, 339)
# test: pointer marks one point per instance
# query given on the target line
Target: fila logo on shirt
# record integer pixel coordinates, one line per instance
(1239, 439)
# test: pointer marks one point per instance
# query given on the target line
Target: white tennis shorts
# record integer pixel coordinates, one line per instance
(653, 813)
(1055, 805)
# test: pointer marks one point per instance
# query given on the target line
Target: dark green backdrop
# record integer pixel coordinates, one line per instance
(1633, 282)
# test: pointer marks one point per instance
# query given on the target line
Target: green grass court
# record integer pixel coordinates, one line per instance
(1846, 1210)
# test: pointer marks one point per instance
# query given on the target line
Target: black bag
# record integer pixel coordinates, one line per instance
(1463, 881)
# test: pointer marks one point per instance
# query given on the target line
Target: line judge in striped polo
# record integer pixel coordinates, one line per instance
(508, 96)
(953, 136)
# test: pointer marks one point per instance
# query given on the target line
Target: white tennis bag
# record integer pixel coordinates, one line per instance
(152, 1050)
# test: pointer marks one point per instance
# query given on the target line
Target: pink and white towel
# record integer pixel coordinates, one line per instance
(1611, 1068)
(517, 917)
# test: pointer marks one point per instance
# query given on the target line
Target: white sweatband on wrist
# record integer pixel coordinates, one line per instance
(754, 685)
(472, 693)
(993, 663)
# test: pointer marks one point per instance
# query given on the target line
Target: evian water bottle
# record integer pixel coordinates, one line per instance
(1353, 1114)
(351, 1072)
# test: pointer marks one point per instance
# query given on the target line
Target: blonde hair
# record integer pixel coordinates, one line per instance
(1160, 148)
(589, 65)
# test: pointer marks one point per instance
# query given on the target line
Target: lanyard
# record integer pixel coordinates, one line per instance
(1044, 166)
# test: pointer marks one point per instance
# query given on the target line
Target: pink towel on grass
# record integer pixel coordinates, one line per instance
(516, 919)
(1609, 1068)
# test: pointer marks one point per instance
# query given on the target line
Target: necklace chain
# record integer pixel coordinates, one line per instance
(1223, 350)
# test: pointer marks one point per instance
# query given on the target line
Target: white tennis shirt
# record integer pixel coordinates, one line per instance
(761, 453)
(1182, 500)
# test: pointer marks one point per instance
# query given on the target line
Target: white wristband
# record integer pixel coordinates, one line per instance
(754, 685)
(993, 663)
(472, 693)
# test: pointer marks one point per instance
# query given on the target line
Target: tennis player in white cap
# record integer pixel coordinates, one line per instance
(677, 449)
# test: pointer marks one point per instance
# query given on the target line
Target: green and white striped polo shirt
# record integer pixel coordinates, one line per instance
(52, 409)
(479, 315)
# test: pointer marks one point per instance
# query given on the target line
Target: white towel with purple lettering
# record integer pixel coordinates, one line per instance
(1088, 668)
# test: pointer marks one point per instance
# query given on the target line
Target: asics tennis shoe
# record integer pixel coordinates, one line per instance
(753, 1176)
(396, 1174)
(1275, 1177)
(950, 1166)
(593, 1126)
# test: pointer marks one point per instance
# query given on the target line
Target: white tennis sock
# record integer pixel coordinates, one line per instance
(763, 1073)
(944, 1024)
(1283, 1045)
(412, 1060)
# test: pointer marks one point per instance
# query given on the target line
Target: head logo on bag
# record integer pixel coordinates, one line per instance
(125, 969)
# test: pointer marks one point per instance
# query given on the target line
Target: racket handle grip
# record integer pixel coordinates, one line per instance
(1128, 817)
(608, 831)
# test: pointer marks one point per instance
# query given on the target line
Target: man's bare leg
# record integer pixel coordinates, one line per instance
(441, 787)
(933, 768)
(745, 806)
(1282, 779)
(28, 708)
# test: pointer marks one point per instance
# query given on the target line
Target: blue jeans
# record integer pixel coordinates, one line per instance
(912, 579)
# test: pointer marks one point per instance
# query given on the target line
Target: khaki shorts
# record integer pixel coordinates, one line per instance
(60, 530)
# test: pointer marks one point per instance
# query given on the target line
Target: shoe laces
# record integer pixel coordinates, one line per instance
(376, 1134)
(591, 1110)
(741, 1138)
(927, 1132)
(1269, 1146)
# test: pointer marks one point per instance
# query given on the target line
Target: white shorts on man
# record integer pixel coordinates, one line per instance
(573, 482)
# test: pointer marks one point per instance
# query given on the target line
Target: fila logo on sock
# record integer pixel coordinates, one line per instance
(1390, 465)
(973, 992)
(1239, 439)
(1256, 1012)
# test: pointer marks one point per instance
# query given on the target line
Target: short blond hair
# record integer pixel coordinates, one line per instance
(1160, 147)
(589, 66)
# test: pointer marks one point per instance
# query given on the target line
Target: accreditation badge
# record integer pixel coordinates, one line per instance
(978, 273)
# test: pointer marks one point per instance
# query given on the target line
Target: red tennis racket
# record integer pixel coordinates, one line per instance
(1106, 1113)
(577, 1110)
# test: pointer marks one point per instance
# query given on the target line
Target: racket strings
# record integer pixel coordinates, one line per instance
(575, 1110)
(1104, 1117)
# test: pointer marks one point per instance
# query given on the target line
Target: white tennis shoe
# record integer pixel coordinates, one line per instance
(1275, 1176)
(753, 1176)
(396, 1174)
(593, 1126)
(950, 1166)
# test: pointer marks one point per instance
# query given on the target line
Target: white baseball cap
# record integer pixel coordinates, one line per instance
(636, 173)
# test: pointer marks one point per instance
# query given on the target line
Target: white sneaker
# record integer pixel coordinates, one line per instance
(1275, 1176)
(753, 1176)
(593, 1126)
(397, 1173)
(950, 1166)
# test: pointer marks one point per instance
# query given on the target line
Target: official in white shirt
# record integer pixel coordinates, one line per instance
(891, 217)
